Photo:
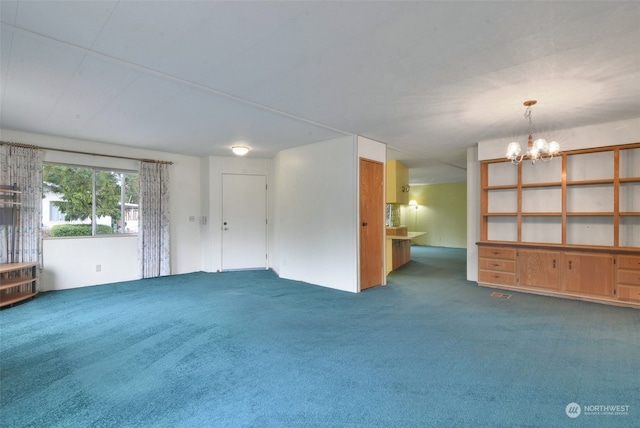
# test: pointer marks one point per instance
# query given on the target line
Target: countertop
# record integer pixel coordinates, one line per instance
(409, 235)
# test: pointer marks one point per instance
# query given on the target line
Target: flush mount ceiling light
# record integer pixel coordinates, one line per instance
(538, 149)
(240, 150)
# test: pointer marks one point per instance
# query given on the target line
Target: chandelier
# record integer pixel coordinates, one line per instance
(538, 149)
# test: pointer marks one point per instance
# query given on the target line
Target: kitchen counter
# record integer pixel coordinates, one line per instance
(398, 249)
(409, 235)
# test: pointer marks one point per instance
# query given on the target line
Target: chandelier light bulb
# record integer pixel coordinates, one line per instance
(536, 149)
(513, 150)
(540, 144)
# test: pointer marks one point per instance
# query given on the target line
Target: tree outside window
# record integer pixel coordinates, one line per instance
(91, 201)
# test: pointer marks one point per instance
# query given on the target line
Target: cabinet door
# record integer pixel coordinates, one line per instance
(397, 183)
(539, 269)
(406, 252)
(589, 273)
(396, 255)
(403, 181)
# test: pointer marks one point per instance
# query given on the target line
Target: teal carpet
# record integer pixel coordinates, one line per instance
(248, 349)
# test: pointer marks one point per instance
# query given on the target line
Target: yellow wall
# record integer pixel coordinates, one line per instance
(442, 212)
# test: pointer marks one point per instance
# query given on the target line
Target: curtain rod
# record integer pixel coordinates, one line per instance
(29, 146)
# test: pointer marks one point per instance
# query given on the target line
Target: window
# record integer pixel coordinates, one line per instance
(85, 201)
(54, 212)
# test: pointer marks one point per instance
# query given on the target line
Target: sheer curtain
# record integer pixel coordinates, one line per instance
(153, 234)
(22, 165)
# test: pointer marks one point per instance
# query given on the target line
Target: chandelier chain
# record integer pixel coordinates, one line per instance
(527, 115)
(539, 149)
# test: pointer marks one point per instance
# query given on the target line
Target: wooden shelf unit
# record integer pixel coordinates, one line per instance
(18, 281)
(566, 224)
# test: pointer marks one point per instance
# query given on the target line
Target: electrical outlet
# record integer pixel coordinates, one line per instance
(98, 268)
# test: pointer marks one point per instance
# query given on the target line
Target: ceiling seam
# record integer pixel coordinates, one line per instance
(175, 79)
(66, 86)
(104, 24)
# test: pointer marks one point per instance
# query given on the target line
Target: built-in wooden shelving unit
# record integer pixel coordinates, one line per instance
(561, 226)
(18, 281)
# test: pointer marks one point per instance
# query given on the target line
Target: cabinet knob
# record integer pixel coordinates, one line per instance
(364, 224)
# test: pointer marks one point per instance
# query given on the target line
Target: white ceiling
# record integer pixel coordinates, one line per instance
(428, 78)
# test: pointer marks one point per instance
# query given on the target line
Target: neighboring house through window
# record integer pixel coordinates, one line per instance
(55, 215)
(87, 201)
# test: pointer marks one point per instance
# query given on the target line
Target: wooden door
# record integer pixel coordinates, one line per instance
(371, 223)
(244, 221)
(589, 273)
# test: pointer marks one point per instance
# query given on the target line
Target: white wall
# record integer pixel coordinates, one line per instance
(473, 212)
(212, 231)
(603, 134)
(71, 262)
(316, 214)
(206, 248)
(371, 149)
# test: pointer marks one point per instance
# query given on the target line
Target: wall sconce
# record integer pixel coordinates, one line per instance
(414, 204)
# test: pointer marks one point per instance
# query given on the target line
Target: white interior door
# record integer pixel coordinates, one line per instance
(244, 221)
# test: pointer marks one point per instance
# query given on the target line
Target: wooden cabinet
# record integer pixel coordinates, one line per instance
(397, 231)
(588, 274)
(611, 277)
(397, 183)
(17, 282)
(398, 253)
(497, 266)
(628, 278)
(573, 224)
(539, 269)
(401, 252)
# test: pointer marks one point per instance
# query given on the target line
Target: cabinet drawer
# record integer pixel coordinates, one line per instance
(629, 276)
(497, 264)
(498, 253)
(493, 277)
(629, 293)
(628, 262)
